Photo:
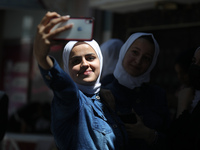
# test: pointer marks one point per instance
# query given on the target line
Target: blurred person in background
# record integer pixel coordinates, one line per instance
(185, 93)
(184, 132)
(110, 51)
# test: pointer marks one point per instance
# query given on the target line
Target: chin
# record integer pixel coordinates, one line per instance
(134, 74)
(88, 82)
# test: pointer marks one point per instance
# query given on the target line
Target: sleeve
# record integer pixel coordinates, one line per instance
(66, 102)
(63, 87)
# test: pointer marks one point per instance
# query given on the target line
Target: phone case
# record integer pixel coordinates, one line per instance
(82, 29)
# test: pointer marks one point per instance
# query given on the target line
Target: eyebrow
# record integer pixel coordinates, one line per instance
(88, 54)
(135, 47)
(140, 50)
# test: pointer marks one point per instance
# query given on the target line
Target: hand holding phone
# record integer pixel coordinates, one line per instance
(82, 29)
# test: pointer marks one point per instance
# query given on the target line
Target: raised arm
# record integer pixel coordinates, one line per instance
(44, 38)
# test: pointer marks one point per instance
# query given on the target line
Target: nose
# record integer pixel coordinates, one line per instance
(138, 60)
(84, 62)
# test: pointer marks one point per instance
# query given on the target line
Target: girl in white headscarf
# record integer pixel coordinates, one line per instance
(79, 117)
(66, 52)
(125, 78)
(135, 95)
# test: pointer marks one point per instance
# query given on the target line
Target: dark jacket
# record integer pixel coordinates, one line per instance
(148, 101)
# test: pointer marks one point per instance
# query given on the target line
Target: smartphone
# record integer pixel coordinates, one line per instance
(128, 118)
(82, 29)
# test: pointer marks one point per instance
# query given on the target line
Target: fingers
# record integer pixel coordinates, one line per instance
(59, 30)
(47, 23)
(41, 28)
(138, 117)
(43, 38)
(48, 17)
(55, 21)
(50, 20)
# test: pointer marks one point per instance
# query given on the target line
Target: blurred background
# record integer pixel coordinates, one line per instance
(174, 23)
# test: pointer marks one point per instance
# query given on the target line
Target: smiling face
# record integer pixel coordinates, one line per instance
(138, 57)
(84, 64)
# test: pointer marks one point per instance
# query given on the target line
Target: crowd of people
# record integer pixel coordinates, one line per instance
(103, 97)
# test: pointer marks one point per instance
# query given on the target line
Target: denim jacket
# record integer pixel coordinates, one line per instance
(80, 121)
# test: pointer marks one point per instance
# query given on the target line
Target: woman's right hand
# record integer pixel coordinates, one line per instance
(44, 37)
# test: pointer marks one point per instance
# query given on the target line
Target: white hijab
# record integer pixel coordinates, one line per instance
(110, 51)
(66, 52)
(122, 76)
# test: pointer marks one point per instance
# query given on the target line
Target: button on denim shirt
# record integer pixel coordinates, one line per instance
(80, 121)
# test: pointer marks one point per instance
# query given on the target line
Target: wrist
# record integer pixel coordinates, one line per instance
(45, 62)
